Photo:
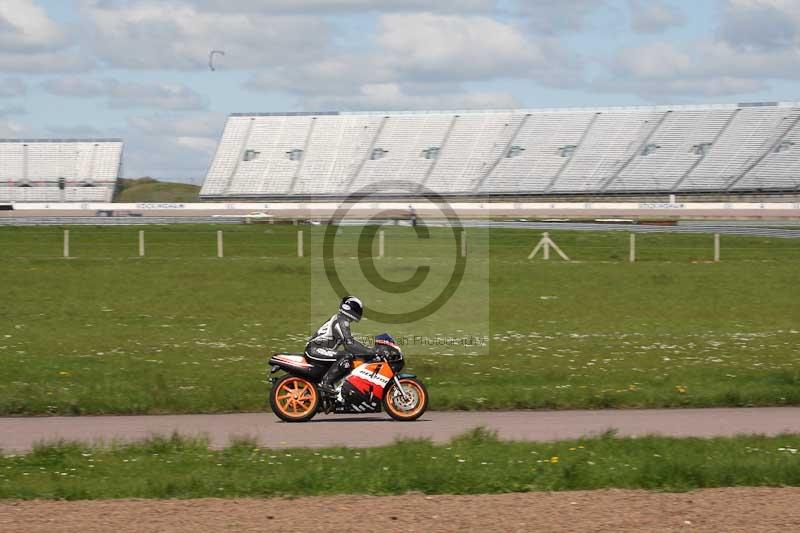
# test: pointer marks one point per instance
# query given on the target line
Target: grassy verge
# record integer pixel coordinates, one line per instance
(474, 463)
(150, 190)
(184, 331)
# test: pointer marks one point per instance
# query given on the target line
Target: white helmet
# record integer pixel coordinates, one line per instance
(351, 307)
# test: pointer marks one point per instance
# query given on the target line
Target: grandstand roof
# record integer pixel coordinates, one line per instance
(677, 107)
(708, 147)
(61, 140)
(59, 170)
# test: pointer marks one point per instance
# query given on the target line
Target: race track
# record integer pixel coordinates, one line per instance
(20, 434)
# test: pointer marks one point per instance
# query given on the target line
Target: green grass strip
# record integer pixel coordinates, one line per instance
(474, 463)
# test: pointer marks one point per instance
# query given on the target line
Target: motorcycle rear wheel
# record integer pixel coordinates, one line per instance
(294, 399)
(406, 410)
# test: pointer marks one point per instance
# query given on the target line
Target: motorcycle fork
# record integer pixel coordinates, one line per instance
(400, 387)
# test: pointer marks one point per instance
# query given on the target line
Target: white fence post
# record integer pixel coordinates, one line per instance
(380, 244)
(66, 243)
(220, 250)
(141, 243)
(716, 247)
(300, 243)
(546, 246)
(633, 248)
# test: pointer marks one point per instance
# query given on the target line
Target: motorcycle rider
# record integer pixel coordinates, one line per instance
(333, 334)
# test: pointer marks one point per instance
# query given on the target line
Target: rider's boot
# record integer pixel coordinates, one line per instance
(336, 372)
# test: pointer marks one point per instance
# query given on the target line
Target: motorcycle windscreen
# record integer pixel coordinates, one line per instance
(387, 340)
(371, 378)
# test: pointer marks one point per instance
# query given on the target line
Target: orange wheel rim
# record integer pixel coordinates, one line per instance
(410, 387)
(296, 397)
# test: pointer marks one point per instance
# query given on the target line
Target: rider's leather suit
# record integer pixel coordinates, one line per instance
(325, 343)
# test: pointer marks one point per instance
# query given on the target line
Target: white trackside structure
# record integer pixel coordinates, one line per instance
(670, 149)
(59, 170)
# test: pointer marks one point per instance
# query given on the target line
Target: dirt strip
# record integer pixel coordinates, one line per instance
(730, 510)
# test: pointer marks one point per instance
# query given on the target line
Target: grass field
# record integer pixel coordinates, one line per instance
(184, 331)
(475, 463)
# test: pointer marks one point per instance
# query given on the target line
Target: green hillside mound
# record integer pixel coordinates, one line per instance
(150, 190)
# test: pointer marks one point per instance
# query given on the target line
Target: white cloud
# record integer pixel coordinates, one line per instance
(166, 158)
(704, 60)
(346, 6)
(655, 61)
(375, 54)
(344, 86)
(387, 96)
(9, 110)
(174, 34)
(683, 88)
(654, 16)
(421, 60)
(12, 87)
(557, 16)
(79, 131)
(761, 24)
(122, 95)
(10, 129)
(201, 124)
(199, 144)
(703, 68)
(25, 26)
(170, 145)
(74, 86)
(31, 42)
(464, 47)
(757, 41)
(335, 75)
(45, 62)
(160, 95)
(169, 158)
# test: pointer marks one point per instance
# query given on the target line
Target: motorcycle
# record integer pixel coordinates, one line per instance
(371, 386)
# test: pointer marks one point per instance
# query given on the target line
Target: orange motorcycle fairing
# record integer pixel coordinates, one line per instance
(371, 378)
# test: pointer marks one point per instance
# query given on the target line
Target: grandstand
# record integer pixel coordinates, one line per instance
(725, 148)
(59, 170)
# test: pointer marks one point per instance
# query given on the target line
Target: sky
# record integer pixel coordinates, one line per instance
(138, 69)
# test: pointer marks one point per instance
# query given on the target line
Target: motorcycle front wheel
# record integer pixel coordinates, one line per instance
(409, 407)
(294, 399)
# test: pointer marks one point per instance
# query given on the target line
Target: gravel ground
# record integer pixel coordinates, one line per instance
(730, 510)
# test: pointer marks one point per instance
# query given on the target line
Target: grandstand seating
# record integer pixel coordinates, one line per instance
(59, 170)
(659, 149)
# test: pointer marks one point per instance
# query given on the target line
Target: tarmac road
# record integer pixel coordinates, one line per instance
(20, 434)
